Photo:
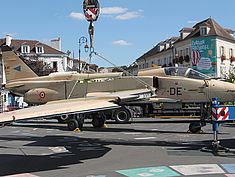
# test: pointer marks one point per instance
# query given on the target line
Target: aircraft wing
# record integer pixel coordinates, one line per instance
(124, 96)
(92, 103)
(71, 106)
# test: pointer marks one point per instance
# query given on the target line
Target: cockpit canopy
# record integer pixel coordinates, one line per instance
(185, 72)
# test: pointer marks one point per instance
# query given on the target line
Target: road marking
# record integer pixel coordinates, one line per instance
(145, 138)
(35, 129)
(133, 133)
(230, 168)
(149, 172)
(230, 175)
(198, 169)
(16, 131)
(22, 175)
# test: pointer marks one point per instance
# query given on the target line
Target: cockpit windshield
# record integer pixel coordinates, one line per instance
(185, 72)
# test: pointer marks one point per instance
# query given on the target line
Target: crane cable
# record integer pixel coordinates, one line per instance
(148, 86)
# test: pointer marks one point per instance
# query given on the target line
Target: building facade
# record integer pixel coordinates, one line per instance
(206, 47)
(31, 50)
(35, 50)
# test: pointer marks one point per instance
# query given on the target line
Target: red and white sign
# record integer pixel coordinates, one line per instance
(91, 9)
(222, 113)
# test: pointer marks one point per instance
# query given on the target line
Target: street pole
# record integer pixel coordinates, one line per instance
(82, 40)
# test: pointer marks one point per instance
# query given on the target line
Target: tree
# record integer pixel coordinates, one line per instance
(38, 66)
(119, 69)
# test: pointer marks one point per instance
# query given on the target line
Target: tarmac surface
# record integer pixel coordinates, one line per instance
(146, 148)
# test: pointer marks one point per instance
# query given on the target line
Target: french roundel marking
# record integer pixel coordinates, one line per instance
(42, 95)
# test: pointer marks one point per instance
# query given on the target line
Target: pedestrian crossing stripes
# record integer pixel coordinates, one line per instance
(199, 169)
(149, 172)
(181, 170)
(230, 168)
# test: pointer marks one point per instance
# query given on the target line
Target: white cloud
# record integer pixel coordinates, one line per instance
(121, 43)
(129, 15)
(113, 10)
(77, 16)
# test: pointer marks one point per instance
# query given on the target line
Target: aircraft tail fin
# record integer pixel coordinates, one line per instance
(15, 68)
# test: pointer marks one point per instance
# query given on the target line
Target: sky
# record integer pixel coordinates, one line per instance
(124, 31)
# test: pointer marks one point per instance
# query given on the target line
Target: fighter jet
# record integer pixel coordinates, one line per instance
(163, 89)
(183, 90)
(67, 96)
(189, 86)
(22, 81)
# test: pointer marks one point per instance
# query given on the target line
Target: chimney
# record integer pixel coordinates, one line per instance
(8, 40)
(56, 43)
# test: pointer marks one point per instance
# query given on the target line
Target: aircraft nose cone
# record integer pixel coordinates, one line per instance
(222, 90)
(230, 89)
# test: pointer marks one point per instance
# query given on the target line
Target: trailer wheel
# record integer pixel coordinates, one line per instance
(73, 124)
(195, 127)
(98, 122)
(122, 115)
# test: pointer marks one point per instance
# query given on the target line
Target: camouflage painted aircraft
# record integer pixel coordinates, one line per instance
(181, 90)
(189, 86)
(65, 95)
(70, 94)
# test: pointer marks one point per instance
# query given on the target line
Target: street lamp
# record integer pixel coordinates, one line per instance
(82, 40)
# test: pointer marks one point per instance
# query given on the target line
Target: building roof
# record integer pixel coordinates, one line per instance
(186, 29)
(16, 45)
(215, 30)
(155, 49)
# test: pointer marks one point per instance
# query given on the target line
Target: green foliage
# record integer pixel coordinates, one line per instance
(230, 78)
(39, 67)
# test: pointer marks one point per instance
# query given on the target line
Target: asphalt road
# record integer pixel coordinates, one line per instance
(143, 149)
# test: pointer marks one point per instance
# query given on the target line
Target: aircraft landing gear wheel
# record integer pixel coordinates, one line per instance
(72, 124)
(122, 115)
(195, 127)
(98, 122)
(62, 119)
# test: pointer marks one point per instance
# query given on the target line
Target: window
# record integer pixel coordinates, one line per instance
(25, 49)
(230, 53)
(165, 62)
(221, 51)
(181, 35)
(39, 49)
(203, 31)
(159, 62)
(181, 52)
(54, 65)
(187, 51)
